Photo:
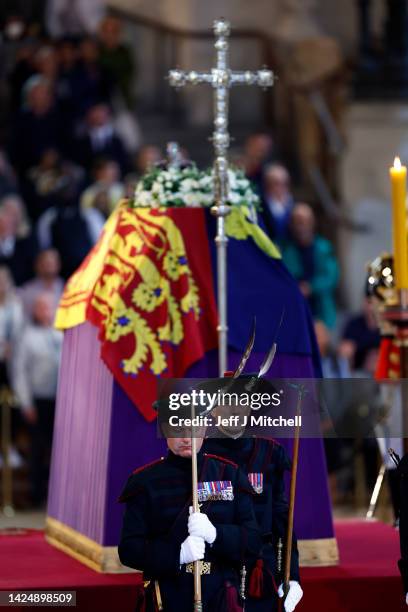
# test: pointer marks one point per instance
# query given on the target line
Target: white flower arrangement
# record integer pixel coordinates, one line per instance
(192, 188)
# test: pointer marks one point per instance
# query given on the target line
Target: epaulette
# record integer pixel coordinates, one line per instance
(223, 459)
(133, 484)
(271, 441)
(143, 467)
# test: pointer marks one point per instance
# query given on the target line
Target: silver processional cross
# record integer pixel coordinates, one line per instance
(221, 78)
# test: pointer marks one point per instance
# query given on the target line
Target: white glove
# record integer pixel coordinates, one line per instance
(200, 525)
(293, 597)
(192, 549)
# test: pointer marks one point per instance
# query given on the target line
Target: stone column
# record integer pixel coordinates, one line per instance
(297, 19)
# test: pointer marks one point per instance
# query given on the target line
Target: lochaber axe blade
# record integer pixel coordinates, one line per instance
(247, 351)
(396, 459)
(267, 362)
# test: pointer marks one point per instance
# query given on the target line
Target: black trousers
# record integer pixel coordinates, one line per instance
(219, 593)
(41, 441)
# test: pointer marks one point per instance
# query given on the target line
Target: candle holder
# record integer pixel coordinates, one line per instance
(391, 309)
(397, 316)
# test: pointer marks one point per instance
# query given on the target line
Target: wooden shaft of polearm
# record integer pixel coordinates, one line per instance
(292, 497)
(196, 508)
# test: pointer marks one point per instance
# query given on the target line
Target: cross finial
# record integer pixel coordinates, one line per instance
(221, 78)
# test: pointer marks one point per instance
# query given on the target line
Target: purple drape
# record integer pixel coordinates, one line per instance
(100, 437)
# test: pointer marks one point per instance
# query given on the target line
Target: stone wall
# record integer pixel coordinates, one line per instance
(301, 16)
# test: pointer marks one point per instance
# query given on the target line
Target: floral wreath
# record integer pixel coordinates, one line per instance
(190, 187)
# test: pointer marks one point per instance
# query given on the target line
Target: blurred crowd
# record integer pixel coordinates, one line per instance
(70, 149)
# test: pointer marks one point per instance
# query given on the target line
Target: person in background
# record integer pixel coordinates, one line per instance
(277, 202)
(66, 87)
(46, 64)
(18, 245)
(99, 140)
(35, 375)
(47, 279)
(67, 18)
(11, 326)
(310, 259)
(147, 157)
(44, 181)
(13, 38)
(21, 71)
(15, 208)
(369, 445)
(130, 184)
(334, 365)
(360, 336)
(37, 127)
(106, 173)
(69, 229)
(93, 80)
(11, 322)
(258, 151)
(101, 203)
(339, 451)
(8, 182)
(116, 58)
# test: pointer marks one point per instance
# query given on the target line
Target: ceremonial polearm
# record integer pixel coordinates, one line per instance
(198, 604)
(221, 78)
(292, 497)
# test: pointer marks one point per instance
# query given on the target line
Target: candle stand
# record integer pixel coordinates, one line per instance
(397, 316)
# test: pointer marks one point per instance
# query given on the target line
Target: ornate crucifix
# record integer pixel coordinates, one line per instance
(221, 78)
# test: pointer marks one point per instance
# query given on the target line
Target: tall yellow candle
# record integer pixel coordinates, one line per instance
(398, 176)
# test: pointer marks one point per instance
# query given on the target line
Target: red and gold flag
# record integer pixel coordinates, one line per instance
(148, 286)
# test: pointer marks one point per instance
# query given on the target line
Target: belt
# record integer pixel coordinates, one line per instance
(204, 567)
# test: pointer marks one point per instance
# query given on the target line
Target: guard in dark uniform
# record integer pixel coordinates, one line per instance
(264, 461)
(161, 537)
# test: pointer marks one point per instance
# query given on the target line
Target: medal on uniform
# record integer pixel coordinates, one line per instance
(215, 490)
(256, 480)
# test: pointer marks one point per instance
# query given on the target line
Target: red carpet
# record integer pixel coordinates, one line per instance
(367, 579)
(28, 562)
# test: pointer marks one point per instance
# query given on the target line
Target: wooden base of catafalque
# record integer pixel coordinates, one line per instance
(397, 315)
